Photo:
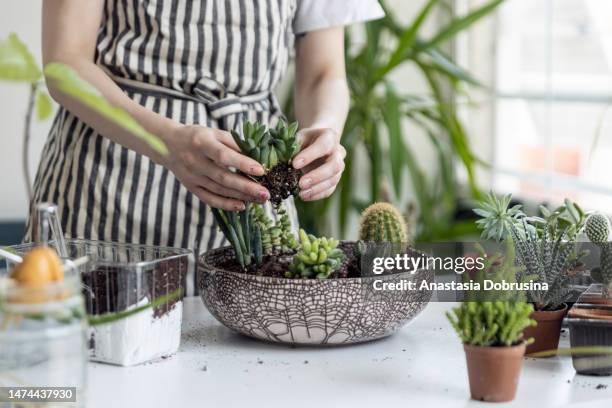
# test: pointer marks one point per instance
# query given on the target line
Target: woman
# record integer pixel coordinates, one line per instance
(188, 71)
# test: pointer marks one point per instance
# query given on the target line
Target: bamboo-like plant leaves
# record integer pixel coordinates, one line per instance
(393, 120)
(459, 25)
(66, 80)
(16, 62)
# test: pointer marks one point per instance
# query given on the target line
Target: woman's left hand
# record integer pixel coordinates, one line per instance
(322, 162)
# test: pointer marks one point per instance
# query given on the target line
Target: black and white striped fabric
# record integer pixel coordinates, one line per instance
(208, 62)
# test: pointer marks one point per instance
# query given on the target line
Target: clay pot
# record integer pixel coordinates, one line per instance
(546, 334)
(494, 371)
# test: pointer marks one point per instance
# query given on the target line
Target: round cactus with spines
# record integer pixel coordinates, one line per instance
(382, 222)
(316, 258)
(597, 228)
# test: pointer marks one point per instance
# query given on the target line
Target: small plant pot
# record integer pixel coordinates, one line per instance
(546, 334)
(594, 296)
(494, 371)
(591, 326)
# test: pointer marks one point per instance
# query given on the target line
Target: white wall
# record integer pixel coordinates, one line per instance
(22, 17)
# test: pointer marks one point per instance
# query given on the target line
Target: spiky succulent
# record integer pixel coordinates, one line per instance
(497, 216)
(598, 231)
(597, 228)
(274, 149)
(268, 146)
(382, 222)
(489, 324)
(316, 258)
(277, 237)
(243, 233)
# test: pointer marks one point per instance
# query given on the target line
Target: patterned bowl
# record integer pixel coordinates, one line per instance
(307, 311)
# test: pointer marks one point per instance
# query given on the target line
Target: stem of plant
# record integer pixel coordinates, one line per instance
(27, 131)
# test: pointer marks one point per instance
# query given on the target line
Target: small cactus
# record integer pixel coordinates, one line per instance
(597, 230)
(268, 146)
(382, 222)
(317, 258)
(489, 324)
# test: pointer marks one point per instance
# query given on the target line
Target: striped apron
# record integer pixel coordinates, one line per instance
(208, 62)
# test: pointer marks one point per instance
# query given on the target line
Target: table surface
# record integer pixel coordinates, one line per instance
(422, 365)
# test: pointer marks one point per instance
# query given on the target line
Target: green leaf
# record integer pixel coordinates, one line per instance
(445, 66)
(392, 116)
(406, 41)
(458, 25)
(113, 317)
(44, 105)
(16, 61)
(66, 80)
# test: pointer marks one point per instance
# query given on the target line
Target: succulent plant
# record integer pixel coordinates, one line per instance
(382, 222)
(277, 237)
(598, 231)
(497, 216)
(268, 146)
(316, 258)
(274, 149)
(488, 324)
(243, 233)
(597, 228)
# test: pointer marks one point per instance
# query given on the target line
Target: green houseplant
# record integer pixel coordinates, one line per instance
(546, 249)
(494, 344)
(379, 109)
(18, 65)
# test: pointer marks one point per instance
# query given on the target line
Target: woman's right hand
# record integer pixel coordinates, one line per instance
(201, 159)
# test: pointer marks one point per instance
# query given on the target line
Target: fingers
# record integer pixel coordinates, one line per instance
(234, 181)
(325, 141)
(322, 195)
(333, 166)
(222, 191)
(220, 147)
(219, 202)
(322, 187)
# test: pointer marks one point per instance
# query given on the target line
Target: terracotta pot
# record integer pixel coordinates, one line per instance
(546, 334)
(494, 371)
(595, 295)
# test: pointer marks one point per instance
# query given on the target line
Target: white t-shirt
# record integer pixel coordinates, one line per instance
(314, 15)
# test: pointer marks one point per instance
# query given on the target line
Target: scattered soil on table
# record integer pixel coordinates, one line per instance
(282, 182)
(111, 289)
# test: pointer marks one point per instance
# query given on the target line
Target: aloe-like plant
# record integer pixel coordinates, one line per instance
(545, 246)
(375, 123)
(17, 64)
(243, 233)
(275, 149)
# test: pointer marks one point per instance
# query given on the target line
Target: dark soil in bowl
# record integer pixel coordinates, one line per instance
(112, 289)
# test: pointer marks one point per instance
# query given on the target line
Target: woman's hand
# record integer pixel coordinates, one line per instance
(322, 161)
(201, 159)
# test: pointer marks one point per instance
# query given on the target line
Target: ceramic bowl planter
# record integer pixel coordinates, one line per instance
(307, 311)
(548, 331)
(494, 371)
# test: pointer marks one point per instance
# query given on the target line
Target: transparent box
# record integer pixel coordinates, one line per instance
(124, 277)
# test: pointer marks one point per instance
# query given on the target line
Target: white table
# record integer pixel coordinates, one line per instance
(421, 366)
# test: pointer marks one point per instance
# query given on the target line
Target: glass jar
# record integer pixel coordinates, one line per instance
(43, 336)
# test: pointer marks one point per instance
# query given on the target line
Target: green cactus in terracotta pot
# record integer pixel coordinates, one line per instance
(275, 149)
(317, 258)
(597, 229)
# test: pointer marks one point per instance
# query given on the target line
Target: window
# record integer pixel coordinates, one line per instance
(551, 99)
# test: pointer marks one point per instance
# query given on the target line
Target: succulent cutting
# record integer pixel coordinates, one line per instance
(317, 258)
(274, 149)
